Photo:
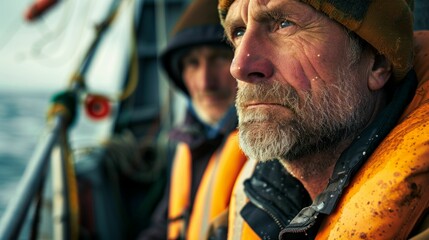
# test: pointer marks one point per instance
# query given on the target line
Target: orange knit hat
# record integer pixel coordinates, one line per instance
(385, 24)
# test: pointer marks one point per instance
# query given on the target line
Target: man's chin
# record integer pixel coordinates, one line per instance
(264, 140)
(256, 152)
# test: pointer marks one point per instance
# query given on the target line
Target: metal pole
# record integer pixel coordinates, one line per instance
(31, 181)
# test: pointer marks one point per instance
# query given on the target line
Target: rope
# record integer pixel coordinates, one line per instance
(78, 78)
(124, 152)
(57, 33)
(85, 63)
(134, 62)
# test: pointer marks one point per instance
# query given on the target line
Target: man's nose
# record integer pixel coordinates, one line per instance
(207, 75)
(251, 61)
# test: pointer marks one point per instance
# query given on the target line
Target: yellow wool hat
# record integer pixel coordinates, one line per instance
(385, 24)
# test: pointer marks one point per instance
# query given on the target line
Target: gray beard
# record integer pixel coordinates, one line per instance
(311, 125)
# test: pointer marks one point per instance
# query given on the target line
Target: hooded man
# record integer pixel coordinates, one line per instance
(207, 159)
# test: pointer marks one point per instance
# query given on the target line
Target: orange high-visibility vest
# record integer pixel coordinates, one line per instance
(214, 191)
(237, 227)
(390, 193)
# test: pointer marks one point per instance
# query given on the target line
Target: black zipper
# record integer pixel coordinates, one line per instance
(270, 211)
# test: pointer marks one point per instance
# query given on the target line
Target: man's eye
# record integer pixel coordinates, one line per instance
(190, 62)
(238, 32)
(285, 24)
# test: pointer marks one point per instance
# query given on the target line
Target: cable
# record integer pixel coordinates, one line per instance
(58, 36)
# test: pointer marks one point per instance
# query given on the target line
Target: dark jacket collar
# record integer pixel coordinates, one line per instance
(306, 222)
(194, 132)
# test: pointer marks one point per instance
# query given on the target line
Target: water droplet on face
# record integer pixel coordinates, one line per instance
(248, 55)
(318, 55)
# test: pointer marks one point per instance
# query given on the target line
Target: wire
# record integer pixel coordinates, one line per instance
(51, 36)
(133, 78)
(58, 37)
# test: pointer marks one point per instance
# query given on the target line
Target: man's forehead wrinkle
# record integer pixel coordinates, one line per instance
(262, 2)
(267, 9)
(258, 9)
(244, 10)
(261, 10)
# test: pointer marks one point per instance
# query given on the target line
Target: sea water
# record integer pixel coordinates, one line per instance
(22, 120)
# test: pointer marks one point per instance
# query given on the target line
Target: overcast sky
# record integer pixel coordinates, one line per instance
(42, 55)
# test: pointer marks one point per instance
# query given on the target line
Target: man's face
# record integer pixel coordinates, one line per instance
(209, 82)
(301, 87)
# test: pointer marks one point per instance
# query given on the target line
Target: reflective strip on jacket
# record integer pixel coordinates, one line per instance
(213, 193)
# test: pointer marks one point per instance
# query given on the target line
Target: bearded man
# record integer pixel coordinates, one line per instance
(326, 112)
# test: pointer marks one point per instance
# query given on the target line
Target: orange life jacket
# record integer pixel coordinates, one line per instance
(214, 191)
(390, 193)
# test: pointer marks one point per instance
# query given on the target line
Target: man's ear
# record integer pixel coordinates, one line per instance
(380, 72)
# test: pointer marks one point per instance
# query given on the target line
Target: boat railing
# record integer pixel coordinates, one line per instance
(33, 178)
(53, 153)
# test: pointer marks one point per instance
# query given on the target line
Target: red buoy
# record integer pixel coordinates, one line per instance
(97, 107)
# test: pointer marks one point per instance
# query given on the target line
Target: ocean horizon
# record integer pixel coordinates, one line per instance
(22, 121)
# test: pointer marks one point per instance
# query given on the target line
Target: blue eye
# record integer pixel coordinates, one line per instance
(238, 32)
(285, 24)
